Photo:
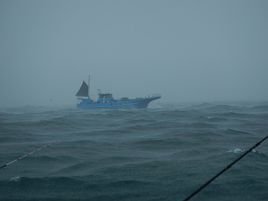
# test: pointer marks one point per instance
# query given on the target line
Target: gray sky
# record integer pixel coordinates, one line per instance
(209, 50)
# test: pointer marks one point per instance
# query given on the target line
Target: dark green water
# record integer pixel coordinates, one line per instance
(134, 155)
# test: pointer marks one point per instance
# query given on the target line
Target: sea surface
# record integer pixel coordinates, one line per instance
(161, 153)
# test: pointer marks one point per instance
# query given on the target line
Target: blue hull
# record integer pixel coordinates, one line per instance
(117, 104)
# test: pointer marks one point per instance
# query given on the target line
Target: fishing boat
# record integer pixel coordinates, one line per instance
(106, 100)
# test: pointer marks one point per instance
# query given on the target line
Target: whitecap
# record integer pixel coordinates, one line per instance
(17, 178)
(236, 150)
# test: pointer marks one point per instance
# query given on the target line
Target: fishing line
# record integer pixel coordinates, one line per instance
(224, 169)
(26, 155)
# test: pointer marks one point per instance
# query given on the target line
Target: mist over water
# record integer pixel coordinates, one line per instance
(186, 50)
(208, 60)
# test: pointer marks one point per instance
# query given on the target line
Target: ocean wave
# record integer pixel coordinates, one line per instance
(237, 115)
(237, 132)
(138, 155)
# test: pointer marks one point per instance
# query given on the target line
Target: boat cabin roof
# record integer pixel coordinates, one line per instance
(107, 95)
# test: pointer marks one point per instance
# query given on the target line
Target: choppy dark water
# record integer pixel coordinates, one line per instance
(134, 155)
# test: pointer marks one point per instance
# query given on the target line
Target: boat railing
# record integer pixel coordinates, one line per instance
(153, 96)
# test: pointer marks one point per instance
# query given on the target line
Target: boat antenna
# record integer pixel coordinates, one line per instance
(88, 85)
(224, 169)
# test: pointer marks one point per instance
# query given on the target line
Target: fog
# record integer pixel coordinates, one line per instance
(211, 50)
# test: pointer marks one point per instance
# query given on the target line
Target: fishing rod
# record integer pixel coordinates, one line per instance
(224, 169)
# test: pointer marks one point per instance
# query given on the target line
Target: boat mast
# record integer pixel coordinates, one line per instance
(88, 84)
